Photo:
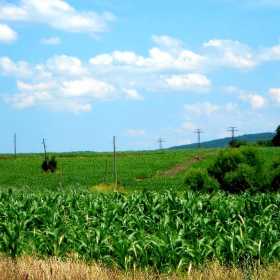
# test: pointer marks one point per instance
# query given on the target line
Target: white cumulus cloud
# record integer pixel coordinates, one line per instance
(189, 81)
(231, 54)
(256, 100)
(132, 94)
(87, 87)
(56, 13)
(7, 35)
(51, 41)
(275, 95)
(66, 65)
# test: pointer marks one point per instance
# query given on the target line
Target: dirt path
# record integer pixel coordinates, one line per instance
(179, 168)
(175, 170)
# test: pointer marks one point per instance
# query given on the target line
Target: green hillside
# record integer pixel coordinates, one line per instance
(223, 142)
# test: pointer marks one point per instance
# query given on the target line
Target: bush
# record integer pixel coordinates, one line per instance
(275, 175)
(241, 179)
(265, 143)
(275, 184)
(252, 157)
(49, 165)
(236, 171)
(199, 180)
(237, 143)
(226, 160)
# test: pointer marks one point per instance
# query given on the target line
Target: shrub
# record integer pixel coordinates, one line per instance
(275, 184)
(239, 169)
(237, 143)
(49, 165)
(226, 160)
(275, 175)
(264, 143)
(241, 179)
(199, 180)
(252, 157)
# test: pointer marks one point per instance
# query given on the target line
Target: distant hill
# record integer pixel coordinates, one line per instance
(223, 142)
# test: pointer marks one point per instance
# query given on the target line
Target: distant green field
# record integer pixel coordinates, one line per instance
(83, 170)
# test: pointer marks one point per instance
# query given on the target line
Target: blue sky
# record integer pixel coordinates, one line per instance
(77, 73)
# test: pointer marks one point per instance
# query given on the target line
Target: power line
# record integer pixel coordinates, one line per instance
(160, 140)
(232, 129)
(198, 131)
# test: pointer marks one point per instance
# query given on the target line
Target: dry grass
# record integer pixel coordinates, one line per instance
(31, 268)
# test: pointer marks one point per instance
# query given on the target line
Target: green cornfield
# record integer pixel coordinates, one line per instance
(155, 223)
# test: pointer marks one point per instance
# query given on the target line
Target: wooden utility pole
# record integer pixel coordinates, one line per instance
(198, 131)
(46, 158)
(115, 161)
(15, 144)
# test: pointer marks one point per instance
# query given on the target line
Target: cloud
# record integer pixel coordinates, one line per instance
(35, 87)
(158, 60)
(7, 35)
(275, 95)
(124, 74)
(87, 87)
(132, 94)
(169, 44)
(66, 65)
(256, 100)
(51, 41)
(186, 82)
(231, 54)
(24, 100)
(135, 133)
(10, 68)
(268, 54)
(205, 108)
(58, 14)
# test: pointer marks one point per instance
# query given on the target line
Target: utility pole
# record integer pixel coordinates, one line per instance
(232, 129)
(160, 140)
(198, 131)
(115, 161)
(15, 145)
(45, 149)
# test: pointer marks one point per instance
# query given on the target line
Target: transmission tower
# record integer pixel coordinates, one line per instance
(198, 131)
(232, 129)
(160, 140)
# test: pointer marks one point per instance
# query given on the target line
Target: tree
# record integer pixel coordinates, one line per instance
(235, 143)
(276, 139)
(49, 165)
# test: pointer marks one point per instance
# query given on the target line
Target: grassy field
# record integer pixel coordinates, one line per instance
(83, 170)
(153, 227)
